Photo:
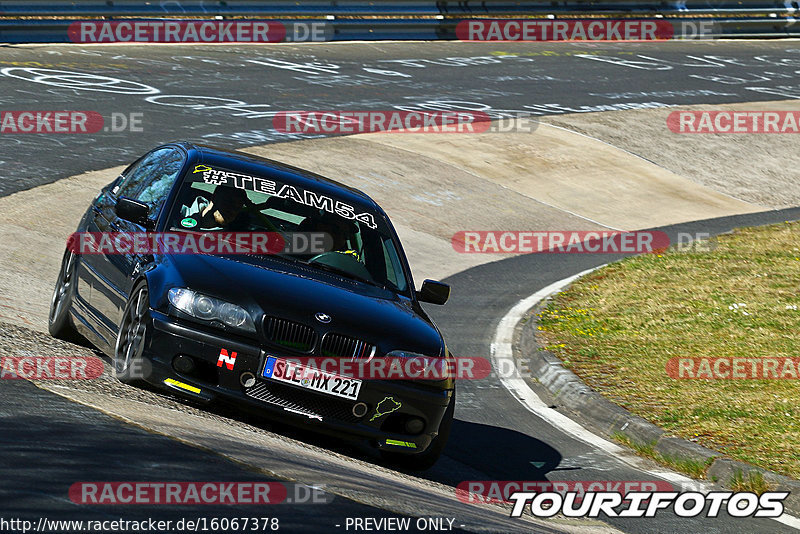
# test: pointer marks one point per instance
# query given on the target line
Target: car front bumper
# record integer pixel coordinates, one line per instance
(172, 337)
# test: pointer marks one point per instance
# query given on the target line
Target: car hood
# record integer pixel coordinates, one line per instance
(298, 292)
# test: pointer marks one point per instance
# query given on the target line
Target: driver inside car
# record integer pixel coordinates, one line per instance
(340, 232)
(229, 209)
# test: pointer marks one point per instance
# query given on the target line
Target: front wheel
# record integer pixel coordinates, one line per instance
(132, 336)
(59, 322)
(425, 460)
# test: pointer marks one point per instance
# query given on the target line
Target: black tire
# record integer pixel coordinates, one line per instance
(129, 366)
(59, 322)
(425, 460)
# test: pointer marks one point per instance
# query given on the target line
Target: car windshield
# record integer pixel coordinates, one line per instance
(357, 242)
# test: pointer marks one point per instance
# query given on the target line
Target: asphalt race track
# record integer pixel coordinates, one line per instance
(227, 96)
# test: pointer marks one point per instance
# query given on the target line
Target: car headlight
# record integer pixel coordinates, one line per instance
(211, 309)
(420, 366)
(408, 355)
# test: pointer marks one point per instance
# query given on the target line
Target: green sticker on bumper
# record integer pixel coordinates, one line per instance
(385, 407)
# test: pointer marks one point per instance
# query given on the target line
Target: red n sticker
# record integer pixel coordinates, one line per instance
(228, 360)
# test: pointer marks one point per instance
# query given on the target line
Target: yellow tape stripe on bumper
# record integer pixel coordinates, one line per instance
(181, 385)
(401, 443)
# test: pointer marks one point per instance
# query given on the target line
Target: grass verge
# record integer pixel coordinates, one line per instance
(618, 327)
(687, 466)
(754, 481)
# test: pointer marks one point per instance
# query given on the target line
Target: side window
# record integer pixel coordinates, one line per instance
(140, 173)
(160, 182)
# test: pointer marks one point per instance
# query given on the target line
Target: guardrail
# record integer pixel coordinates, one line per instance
(48, 20)
(344, 8)
(399, 30)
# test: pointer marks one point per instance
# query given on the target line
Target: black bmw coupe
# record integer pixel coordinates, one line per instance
(220, 324)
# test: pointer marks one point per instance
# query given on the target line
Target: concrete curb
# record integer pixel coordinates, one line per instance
(609, 419)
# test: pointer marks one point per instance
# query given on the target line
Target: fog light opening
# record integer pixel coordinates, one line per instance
(360, 409)
(184, 364)
(414, 425)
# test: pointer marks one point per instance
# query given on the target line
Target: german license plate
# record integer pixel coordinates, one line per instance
(311, 378)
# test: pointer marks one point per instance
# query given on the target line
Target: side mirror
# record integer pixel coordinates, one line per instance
(434, 292)
(133, 211)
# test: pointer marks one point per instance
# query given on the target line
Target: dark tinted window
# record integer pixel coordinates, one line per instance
(141, 172)
(157, 187)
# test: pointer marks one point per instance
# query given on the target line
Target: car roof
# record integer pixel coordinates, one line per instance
(281, 172)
